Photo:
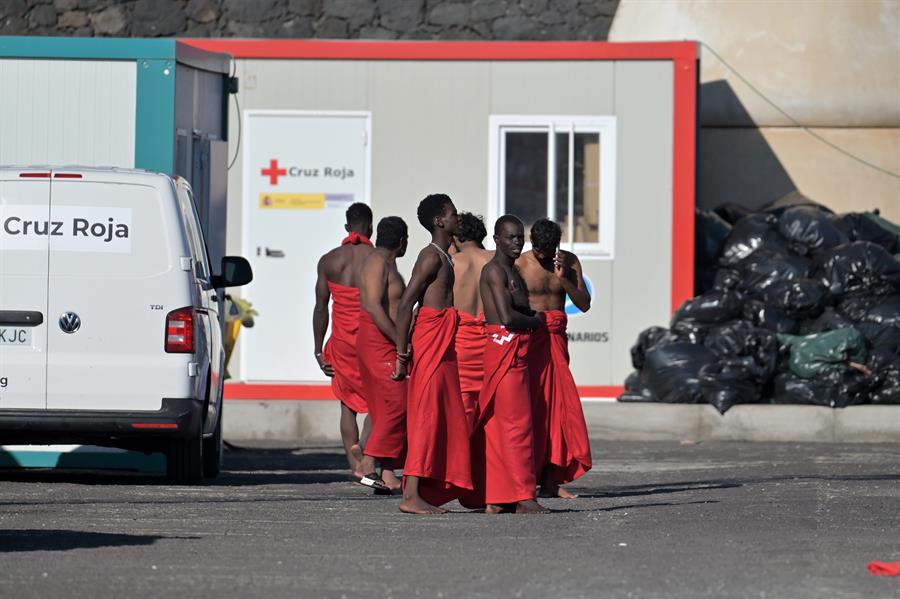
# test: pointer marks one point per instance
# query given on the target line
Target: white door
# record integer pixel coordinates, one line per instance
(115, 266)
(301, 172)
(24, 248)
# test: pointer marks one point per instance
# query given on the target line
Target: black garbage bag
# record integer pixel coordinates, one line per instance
(861, 268)
(790, 200)
(887, 225)
(755, 348)
(797, 298)
(727, 278)
(829, 320)
(671, 370)
(858, 226)
(724, 384)
(687, 331)
(731, 212)
(647, 339)
(881, 337)
(711, 307)
(816, 355)
(885, 367)
(835, 389)
(767, 317)
(635, 391)
(808, 230)
(883, 311)
(765, 267)
(886, 311)
(748, 235)
(710, 232)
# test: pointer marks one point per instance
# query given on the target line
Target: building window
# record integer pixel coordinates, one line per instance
(562, 168)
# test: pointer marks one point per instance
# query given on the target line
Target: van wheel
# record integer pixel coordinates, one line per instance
(212, 452)
(184, 461)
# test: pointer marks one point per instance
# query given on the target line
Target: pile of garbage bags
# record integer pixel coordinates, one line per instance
(794, 305)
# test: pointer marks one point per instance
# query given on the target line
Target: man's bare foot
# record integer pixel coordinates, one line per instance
(417, 505)
(556, 491)
(565, 493)
(390, 479)
(497, 509)
(357, 455)
(530, 506)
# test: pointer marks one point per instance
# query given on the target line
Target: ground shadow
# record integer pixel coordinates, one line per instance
(657, 490)
(13, 540)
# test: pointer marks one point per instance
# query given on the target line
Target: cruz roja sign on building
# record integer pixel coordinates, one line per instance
(301, 172)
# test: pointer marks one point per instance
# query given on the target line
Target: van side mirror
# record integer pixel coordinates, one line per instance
(236, 271)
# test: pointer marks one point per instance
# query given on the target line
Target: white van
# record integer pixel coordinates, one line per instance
(109, 315)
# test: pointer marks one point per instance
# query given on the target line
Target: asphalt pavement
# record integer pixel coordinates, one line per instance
(654, 520)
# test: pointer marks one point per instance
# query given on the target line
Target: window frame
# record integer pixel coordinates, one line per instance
(605, 126)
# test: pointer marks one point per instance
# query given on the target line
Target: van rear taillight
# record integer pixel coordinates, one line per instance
(67, 175)
(34, 175)
(180, 331)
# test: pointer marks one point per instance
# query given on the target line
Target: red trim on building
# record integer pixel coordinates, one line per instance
(684, 135)
(293, 392)
(458, 50)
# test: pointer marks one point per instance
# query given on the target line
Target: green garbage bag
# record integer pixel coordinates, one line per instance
(816, 355)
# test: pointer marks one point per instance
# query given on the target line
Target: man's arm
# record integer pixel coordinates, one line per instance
(372, 289)
(424, 272)
(495, 283)
(572, 280)
(320, 317)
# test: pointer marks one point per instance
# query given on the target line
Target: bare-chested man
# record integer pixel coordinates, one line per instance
(502, 443)
(336, 280)
(437, 468)
(380, 289)
(469, 259)
(562, 447)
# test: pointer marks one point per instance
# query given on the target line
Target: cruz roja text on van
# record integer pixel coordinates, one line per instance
(81, 227)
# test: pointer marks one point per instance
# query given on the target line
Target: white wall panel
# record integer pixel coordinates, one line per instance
(67, 112)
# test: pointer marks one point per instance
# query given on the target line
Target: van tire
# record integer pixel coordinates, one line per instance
(212, 452)
(184, 461)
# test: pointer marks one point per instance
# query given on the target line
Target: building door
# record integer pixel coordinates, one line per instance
(301, 172)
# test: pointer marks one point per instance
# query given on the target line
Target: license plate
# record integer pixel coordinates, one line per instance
(15, 336)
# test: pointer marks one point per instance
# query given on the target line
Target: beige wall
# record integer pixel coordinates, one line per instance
(430, 132)
(831, 64)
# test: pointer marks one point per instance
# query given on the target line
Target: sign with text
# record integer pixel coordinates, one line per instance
(301, 172)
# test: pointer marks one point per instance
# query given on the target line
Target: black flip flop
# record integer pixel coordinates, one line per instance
(374, 482)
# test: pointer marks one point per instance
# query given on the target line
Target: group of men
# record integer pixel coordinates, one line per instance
(471, 396)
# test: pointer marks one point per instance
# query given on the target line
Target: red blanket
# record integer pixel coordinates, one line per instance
(470, 357)
(385, 397)
(502, 443)
(437, 435)
(560, 433)
(340, 350)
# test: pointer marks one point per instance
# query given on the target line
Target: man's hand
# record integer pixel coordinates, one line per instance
(399, 373)
(860, 367)
(327, 368)
(559, 268)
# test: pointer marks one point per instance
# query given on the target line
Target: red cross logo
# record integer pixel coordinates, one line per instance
(273, 172)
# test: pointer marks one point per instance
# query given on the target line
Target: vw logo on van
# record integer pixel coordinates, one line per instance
(69, 322)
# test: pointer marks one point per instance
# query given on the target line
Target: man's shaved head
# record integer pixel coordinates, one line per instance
(506, 218)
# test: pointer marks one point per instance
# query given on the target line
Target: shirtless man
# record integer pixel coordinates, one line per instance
(336, 279)
(437, 468)
(381, 287)
(562, 447)
(502, 443)
(468, 260)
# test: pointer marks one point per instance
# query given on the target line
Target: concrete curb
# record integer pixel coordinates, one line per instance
(317, 422)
